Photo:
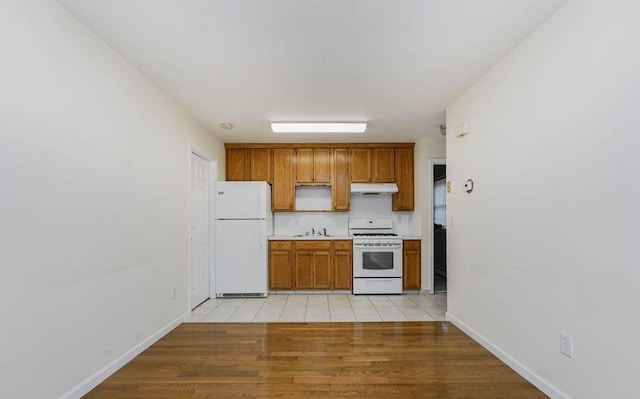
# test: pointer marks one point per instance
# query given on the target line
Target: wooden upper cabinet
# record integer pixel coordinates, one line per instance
(313, 165)
(322, 165)
(282, 191)
(373, 165)
(260, 164)
(243, 164)
(335, 165)
(304, 165)
(403, 199)
(237, 164)
(340, 187)
(383, 165)
(360, 165)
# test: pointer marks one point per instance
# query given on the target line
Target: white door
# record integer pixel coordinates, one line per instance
(199, 234)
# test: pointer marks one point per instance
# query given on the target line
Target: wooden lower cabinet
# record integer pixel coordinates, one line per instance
(310, 265)
(280, 265)
(303, 270)
(312, 270)
(342, 267)
(411, 265)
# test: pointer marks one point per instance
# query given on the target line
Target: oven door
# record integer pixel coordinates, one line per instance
(372, 261)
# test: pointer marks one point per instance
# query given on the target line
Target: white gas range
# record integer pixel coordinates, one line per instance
(377, 257)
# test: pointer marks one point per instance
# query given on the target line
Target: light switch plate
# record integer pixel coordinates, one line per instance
(462, 130)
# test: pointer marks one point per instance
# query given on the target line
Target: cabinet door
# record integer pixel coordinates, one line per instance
(322, 270)
(342, 266)
(304, 165)
(261, 168)
(304, 270)
(280, 270)
(403, 199)
(282, 192)
(237, 164)
(322, 165)
(383, 165)
(360, 165)
(340, 190)
(411, 265)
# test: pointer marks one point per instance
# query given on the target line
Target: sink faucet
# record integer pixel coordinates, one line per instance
(313, 231)
(324, 231)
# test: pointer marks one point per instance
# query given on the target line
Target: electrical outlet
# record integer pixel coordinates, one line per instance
(566, 345)
(173, 292)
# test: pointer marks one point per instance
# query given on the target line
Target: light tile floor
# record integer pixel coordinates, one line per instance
(323, 307)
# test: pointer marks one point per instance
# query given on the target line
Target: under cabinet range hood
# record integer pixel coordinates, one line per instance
(374, 188)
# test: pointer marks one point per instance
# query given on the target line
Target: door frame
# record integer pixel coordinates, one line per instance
(213, 177)
(430, 245)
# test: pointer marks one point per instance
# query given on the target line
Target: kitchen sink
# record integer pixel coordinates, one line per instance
(311, 236)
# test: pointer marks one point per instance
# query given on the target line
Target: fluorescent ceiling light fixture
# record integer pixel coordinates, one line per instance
(306, 127)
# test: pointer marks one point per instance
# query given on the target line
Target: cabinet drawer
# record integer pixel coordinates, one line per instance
(411, 244)
(342, 244)
(313, 244)
(279, 245)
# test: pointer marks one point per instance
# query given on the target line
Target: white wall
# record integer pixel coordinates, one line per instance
(426, 149)
(93, 202)
(547, 241)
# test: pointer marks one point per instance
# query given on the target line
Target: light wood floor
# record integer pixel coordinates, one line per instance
(316, 360)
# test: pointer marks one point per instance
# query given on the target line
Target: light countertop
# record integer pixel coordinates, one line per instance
(291, 238)
(338, 237)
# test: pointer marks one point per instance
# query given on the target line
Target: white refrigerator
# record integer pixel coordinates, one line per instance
(243, 224)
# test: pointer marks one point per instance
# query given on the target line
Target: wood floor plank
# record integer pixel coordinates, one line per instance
(316, 360)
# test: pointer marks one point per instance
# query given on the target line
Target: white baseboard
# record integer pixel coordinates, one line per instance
(528, 374)
(96, 378)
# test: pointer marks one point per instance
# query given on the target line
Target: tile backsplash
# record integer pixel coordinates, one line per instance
(363, 206)
(337, 223)
(293, 223)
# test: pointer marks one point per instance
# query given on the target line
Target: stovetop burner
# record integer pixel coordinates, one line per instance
(375, 234)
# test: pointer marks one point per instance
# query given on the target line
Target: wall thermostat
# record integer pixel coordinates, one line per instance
(468, 185)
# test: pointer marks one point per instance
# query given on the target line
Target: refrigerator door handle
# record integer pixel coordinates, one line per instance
(263, 233)
(260, 204)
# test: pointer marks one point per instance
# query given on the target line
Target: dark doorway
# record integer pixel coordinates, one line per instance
(439, 228)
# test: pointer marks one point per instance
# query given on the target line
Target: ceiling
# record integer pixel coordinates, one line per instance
(394, 64)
